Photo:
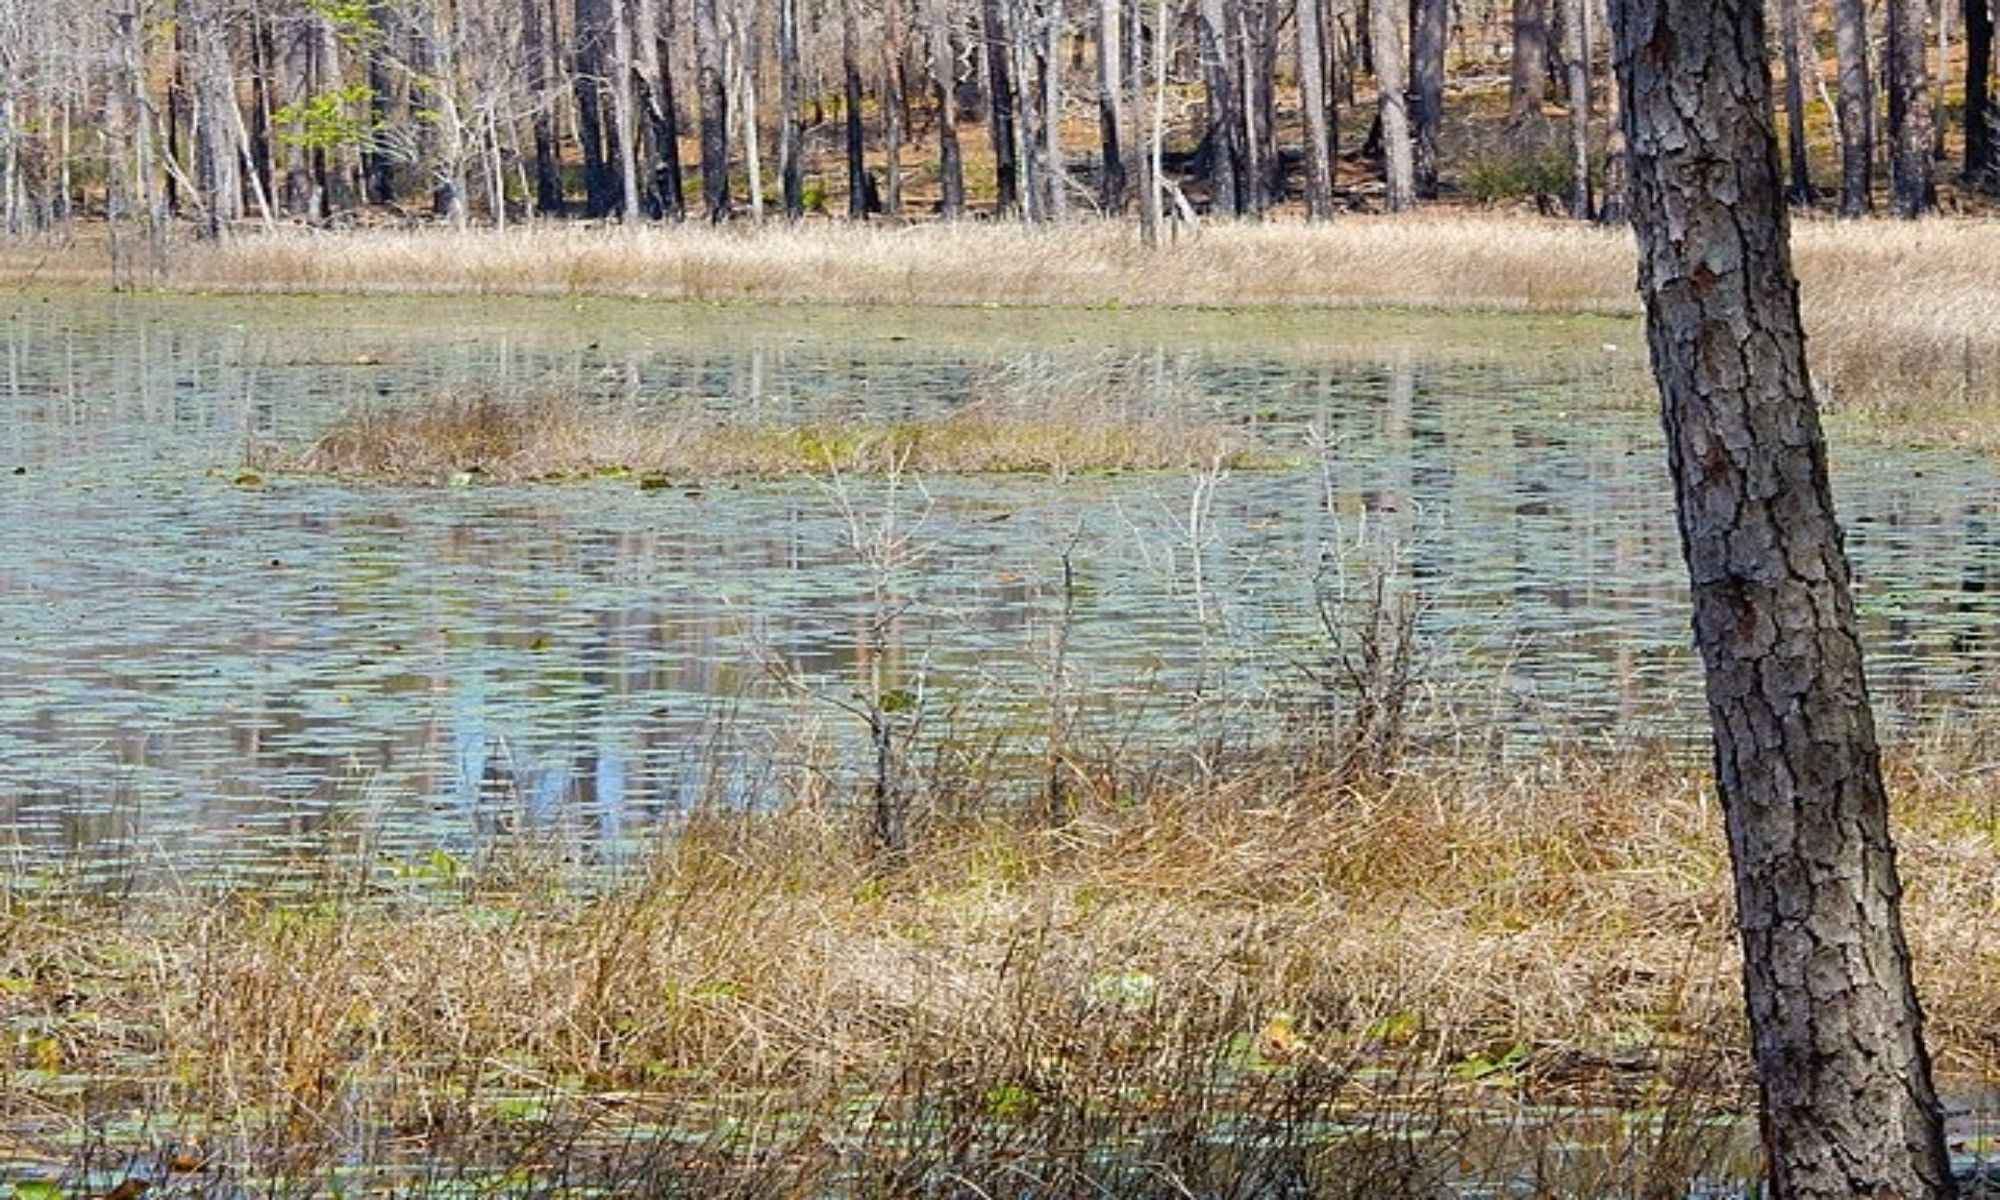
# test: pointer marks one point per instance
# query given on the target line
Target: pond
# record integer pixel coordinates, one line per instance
(200, 668)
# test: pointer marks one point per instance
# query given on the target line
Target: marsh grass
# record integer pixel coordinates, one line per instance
(486, 434)
(1277, 970)
(1901, 316)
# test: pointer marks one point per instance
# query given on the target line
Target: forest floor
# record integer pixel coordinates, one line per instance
(1290, 943)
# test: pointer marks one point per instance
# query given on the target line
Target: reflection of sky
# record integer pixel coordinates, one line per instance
(195, 667)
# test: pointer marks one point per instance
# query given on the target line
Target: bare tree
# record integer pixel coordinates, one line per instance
(1982, 164)
(791, 138)
(1428, 19)
(1910, 117)
(1798, 43)
(944, 75)
(850, 69)
(1003, 111)
(712, 95)
(1313, 100)
(1848, 1104)
(1857, 108)
(1110, 109)
(1528, 78)
(1386, 26)
(1577, 18)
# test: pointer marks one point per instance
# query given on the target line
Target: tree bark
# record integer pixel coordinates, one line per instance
(1399, 169)
(1428, 20)
(1910, 176)
(1982, 165)
(944, 73)
(1110, 109)
(712, 95)
(624, 66)
(655, 34)
(791, 138)
(1848, 1104)
(1312, 106)
(535, 52)
(1857, 109)
(1528, 77)
(893, 106)
(592, 34)
(1577, 19)
(1054, 174)
(1002, 107)
(1225, 121)
(216, 169)
(850, 67)
(1798, 45)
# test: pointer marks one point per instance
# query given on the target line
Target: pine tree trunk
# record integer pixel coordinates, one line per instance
(1848, 1105)
(1910, 176)
(1427, 37)
(944, 74)
(1528, 76)
(712, 95)
(791, 138)
(1313, 105)
(1857, 109)
(1399, 167)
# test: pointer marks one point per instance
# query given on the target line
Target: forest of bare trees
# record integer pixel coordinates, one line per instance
(223, 113)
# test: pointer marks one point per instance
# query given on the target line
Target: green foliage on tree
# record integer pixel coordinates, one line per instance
(327, 120)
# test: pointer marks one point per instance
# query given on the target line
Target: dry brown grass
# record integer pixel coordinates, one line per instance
(1270, 928)
(478, 434)
(1904, 318)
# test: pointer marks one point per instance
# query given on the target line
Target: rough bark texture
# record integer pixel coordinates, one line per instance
(1313, 104)
(1399, 169)
(1848, 1105)
(663, 121)
(1427, 35)
(1981, 163)
(712, 95)
(1910, 177)
(1857, 108)
(1528, 78)
(624, 108)
(590, 49)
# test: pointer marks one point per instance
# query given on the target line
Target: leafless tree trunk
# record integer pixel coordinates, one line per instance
(216, 170)
(1225, 122)
(1528, 79)
(1149, 183)
(1910, 176)
(535, 33)
(850, 66)
(1857, 109)
(1848, 1104)
(1578, 19)
(791, 140)
(623, 68)
(712, 94)
(1982, 165)
(1428, 20)
(951, 159)
(1399, 168)
(1054, 175)
(1312, 106)
(1798, 44)
(893, 106)
(1002, 106)
(654, 35)
(1110, 109)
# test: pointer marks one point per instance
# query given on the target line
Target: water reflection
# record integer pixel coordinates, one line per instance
(204, 673)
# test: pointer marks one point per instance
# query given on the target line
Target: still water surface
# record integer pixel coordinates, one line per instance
(201, 673)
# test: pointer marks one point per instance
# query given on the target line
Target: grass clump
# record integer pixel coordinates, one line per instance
(478, 433)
